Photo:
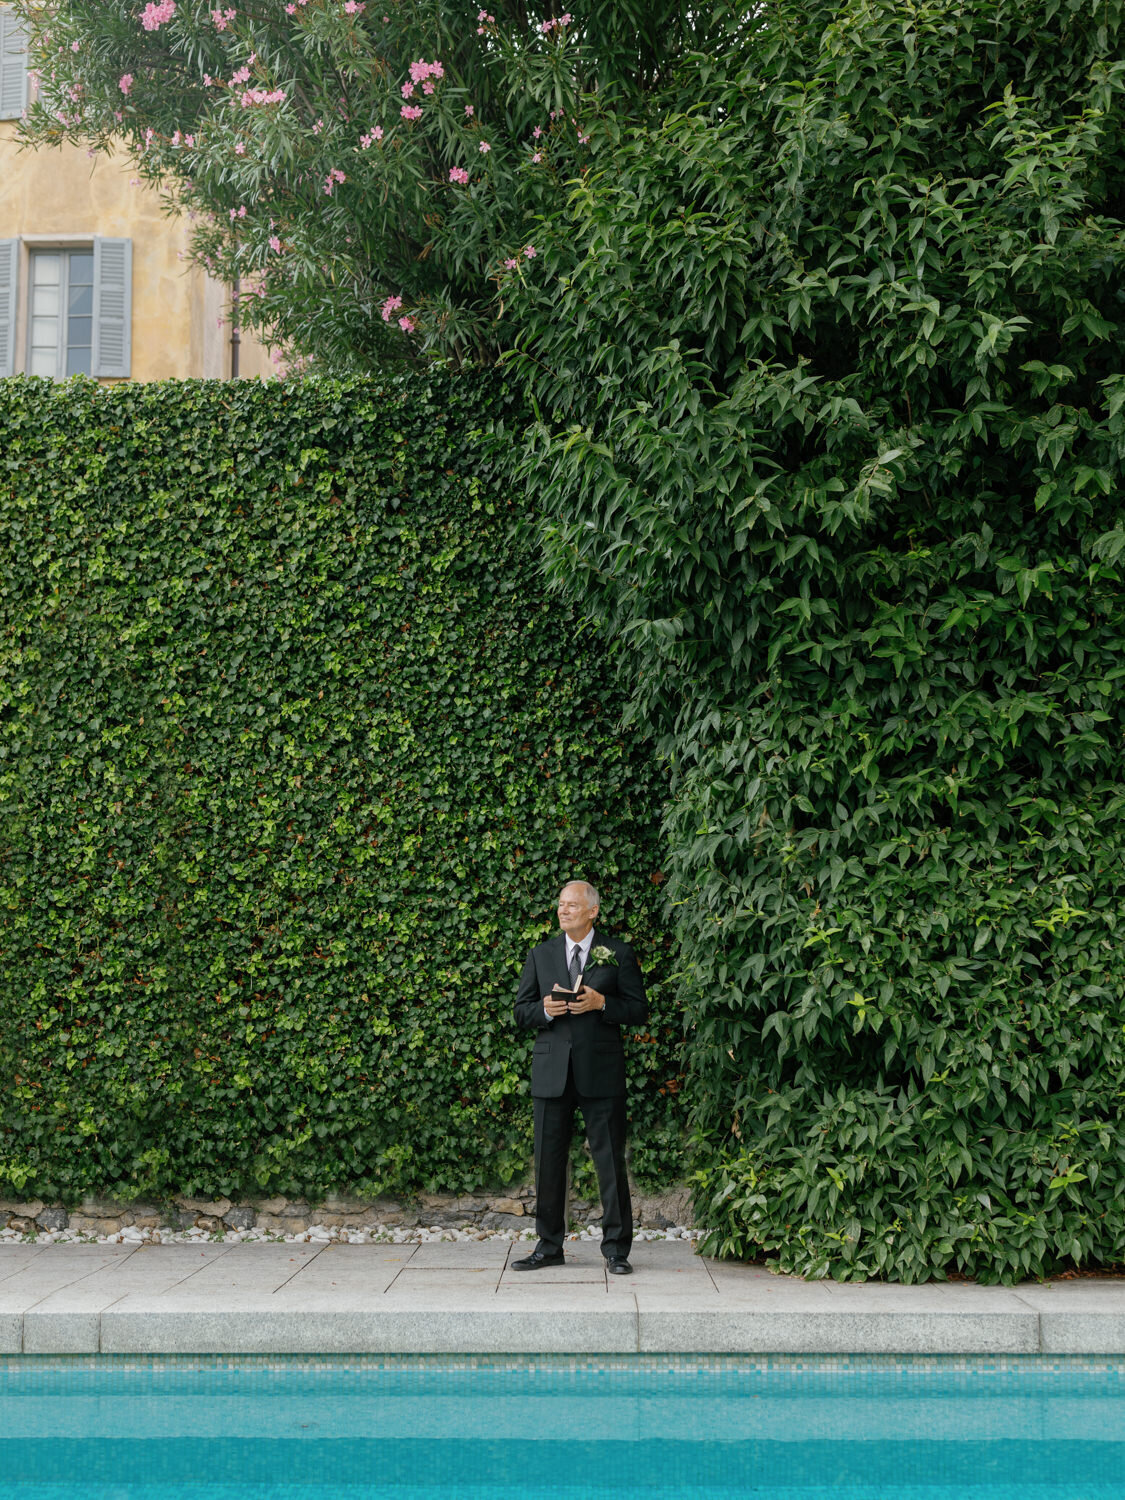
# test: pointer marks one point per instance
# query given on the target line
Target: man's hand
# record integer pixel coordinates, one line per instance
(553, 1006)
(588, 999)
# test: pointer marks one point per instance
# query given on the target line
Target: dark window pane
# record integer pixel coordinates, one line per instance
(82, 267)
(80, 299)
(78, 361)
(78, 331)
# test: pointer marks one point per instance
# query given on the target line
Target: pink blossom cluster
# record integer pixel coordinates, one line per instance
(424, 73)
(238, 213)
(407, 324)
(391, 305)
(242, 76)
(354, 7)
(484, 148)
(222, 18)
(411, 111)
(125, 82)
(482, 15)
(512, 263)
(156, 12)
(371, 137)
(188, 140)
(458, 174)
(262, 96)
(275, 244)
(334, 176)
(546, 27)
(77, 46)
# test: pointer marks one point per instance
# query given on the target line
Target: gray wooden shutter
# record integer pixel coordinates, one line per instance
(113, 306)
(9, 266)
(13, 66)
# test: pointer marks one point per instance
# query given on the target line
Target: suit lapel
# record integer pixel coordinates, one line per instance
(558, 961)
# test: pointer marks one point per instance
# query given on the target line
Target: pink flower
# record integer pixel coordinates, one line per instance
(75, 46)
(334, 176)
(537, 157)
(262, 96)
(176, 137)
(290, 10)
(354, 7)
(391, 305)
(371, 137)
(219, 20)
(469, 111)
(275, 244)
(189, 140)
(511, 264)
(411, 111)
(407, 89)
(156, 12)
(484, 148)
(240, 148)
(125, 82)
(406, 324)
(458, 174)
(537, 132)
(530, 251)
(428, 86)
(242, 76)
(318, 127)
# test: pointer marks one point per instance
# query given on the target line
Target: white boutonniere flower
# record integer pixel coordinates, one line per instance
(603, 955)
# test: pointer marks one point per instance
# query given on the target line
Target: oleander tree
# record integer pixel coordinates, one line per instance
(374, 172)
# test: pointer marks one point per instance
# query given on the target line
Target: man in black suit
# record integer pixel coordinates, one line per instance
(579, 1062)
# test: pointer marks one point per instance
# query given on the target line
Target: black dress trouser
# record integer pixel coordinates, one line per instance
(604, 1119)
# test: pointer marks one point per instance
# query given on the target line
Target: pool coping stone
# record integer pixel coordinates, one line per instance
(358, 1299)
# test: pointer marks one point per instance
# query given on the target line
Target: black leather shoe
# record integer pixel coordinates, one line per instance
(537, 1260)
(619, 1266)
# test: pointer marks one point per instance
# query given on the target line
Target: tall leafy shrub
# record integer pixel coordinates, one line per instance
(833, 432)
(295, 753)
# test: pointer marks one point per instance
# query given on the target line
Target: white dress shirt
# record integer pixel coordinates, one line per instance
(583, 946)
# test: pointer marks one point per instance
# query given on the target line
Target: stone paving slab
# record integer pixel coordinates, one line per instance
(463, 1297)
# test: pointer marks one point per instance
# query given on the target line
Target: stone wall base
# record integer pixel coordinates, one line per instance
(105, 1215)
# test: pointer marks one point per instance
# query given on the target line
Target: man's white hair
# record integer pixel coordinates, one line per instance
(592, 897)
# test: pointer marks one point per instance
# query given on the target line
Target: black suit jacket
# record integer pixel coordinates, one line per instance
(592, 1043)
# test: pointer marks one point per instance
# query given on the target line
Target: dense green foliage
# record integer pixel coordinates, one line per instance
(294, 755)
(834, 434)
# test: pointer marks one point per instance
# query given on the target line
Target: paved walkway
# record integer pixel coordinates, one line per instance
(464, 1298)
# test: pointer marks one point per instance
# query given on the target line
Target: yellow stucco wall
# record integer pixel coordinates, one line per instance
(176, 307)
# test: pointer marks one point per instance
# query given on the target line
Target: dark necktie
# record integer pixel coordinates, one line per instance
(575, 966)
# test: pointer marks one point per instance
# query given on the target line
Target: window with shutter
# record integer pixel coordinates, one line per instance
(9, 266)
(113, 307)
(13, 66)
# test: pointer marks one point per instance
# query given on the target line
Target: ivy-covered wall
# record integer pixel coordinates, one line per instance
(295, 751)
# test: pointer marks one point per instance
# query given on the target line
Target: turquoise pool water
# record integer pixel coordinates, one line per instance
(402, 1428)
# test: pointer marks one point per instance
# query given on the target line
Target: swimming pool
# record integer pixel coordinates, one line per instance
(462, 1428)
